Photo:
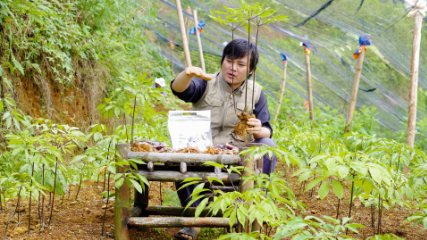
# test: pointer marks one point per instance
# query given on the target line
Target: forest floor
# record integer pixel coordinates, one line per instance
(82, 219)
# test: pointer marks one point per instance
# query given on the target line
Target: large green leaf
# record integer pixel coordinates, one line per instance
(338, 189)
(324, 189)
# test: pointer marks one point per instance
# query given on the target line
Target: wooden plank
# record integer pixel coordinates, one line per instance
(173, 222)
(177, 211)
(122, 202)
(185, 157)
(354, 91)
(176, 176)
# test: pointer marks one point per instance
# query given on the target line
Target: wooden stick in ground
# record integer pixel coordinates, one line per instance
(183, 34)
(199, 41)
(281, 91)
(355, 90)
(309, 86)
(412, 114)
(122, 202)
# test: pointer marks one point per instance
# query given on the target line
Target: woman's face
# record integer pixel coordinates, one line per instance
(234, 71)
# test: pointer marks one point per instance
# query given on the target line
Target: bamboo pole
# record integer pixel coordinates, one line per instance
(122, 202)
(187, 24)
(179, 211)
(199, 41)
(177, 176)
(281, 91)
(355, 90)
(173, 222)
(309, 86)
(183, 34)
(412, 114)
(185, 157)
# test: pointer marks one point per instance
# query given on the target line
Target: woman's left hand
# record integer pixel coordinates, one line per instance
(255, 126)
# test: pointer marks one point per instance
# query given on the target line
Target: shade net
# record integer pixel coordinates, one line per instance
(333, 37)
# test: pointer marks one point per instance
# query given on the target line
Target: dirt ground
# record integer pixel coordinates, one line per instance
(82, 219)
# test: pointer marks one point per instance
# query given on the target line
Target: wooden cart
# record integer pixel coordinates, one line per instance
(173, 167)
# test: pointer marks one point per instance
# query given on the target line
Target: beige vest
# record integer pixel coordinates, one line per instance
(217, 98)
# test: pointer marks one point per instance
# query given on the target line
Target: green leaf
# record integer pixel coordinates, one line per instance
(201, 207)
(119, 182)
(241, 216)
(136, 185)
(338, 189)
(313, 183)
(324, 190)
(214, 164)
(343, 172)
(192, 179)
(304, 176)
(211, 179)
(18, 66)
(376, 174)
(367, 187)
(232, 219)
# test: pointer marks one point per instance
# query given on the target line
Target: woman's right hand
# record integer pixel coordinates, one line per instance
(198, 73)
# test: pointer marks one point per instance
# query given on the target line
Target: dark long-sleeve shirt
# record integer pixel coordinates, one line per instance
(198, 86)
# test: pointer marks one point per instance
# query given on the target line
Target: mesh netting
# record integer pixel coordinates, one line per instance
(333, 35)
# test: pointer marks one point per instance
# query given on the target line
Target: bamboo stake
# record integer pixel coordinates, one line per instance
(355, 90)
(199, 41)
(309, 86)
(187, 24)
(281, 91)
(183, 34)
(412, 114)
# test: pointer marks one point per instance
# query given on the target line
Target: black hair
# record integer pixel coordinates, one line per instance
(240, 51)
